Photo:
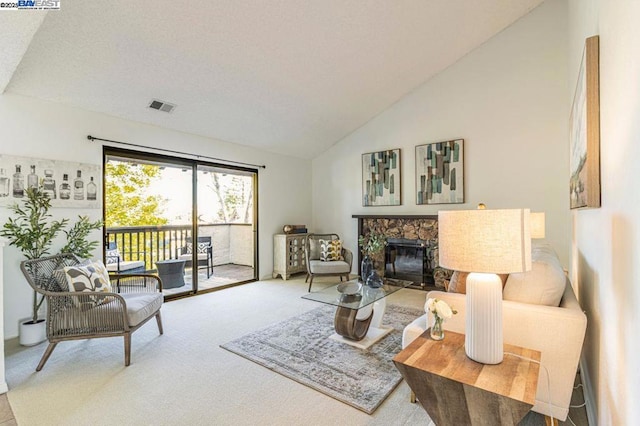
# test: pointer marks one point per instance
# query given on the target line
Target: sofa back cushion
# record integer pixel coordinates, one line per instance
(544, 284)
(458, 282)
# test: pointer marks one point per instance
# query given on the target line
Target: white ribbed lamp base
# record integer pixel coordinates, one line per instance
(483, 340)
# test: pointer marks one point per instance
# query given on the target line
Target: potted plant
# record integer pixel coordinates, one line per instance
(372, 247)
(32, 230)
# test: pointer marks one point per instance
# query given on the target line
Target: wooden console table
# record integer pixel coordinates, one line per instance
(455, 390)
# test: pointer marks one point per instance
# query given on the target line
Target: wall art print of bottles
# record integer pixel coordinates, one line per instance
(381, 178)
(68, 184)
(440, 172)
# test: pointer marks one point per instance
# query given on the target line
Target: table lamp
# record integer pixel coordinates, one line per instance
(484, 243)
(537, 225)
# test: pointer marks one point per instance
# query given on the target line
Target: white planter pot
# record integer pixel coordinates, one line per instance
(32, 334)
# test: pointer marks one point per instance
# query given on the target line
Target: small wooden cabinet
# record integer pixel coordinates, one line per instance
(288, 255)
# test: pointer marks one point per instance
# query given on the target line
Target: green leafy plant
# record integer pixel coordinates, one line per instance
(32, 230)
(372, 244)
(77, 242)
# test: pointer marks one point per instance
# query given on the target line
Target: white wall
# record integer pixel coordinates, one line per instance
(30, 127)
(506, 99)
(241, 245)
(606, 241)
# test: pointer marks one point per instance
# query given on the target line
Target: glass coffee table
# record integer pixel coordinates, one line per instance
(359, 310)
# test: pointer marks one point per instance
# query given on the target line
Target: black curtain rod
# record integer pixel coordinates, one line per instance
(91, 138)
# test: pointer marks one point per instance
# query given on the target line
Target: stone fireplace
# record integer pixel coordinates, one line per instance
(412, 247)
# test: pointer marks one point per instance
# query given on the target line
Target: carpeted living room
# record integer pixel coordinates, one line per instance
(336, 212)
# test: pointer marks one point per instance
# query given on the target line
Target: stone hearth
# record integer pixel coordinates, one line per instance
(421, 229)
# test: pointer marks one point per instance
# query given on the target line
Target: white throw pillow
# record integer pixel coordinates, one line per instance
(544, 284)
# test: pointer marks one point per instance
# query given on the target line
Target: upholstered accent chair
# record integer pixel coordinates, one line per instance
(121, 306)
(204, 252)
(318, 267)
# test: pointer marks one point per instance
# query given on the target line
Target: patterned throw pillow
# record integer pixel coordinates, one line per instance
(202, 248)
(330, 250)
(112, 256)
(93, 277)
(60, 277)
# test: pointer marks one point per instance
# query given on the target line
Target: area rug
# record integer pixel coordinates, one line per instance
(300, 349)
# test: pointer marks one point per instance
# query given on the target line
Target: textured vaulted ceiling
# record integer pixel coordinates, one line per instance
(287, 76)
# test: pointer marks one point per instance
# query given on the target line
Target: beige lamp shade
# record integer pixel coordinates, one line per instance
(485, 243)
(488, 241)
(537, 225)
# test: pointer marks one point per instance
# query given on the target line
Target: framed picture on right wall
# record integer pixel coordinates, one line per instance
(440, 172)
(584, 125)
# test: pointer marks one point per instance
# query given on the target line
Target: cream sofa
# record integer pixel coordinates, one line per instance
(556, 331)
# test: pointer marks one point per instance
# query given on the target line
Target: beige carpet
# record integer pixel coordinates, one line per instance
(184, 377)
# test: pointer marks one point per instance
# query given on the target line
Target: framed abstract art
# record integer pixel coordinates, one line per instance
(584, 125)
(381, 178)
(440, 172)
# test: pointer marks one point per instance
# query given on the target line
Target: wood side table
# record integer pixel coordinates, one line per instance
(455, 390)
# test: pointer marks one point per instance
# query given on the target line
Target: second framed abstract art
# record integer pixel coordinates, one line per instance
(440, 172)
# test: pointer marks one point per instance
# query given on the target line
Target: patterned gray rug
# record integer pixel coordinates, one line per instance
(300, 349)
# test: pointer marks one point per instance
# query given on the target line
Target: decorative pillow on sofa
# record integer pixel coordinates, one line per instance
(544, 284)
(330, 250)
(458, 282)
(89, 278)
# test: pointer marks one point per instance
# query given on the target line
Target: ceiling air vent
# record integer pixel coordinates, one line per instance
(161, 106)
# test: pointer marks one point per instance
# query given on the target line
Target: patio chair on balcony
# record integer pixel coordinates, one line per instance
(115, 263)
(204, 252)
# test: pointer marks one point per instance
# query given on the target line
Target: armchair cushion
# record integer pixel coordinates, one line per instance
(141, 306)
(336, 267)
(91, 278)
(314, 249)
(200, 256)
(126, 265)
(330, 250)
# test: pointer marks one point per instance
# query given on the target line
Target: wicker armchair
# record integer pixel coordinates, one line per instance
(74, 315)
(316, 267)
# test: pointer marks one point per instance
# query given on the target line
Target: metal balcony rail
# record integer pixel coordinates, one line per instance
(153, 243)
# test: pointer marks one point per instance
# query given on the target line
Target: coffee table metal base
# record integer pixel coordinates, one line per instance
(360, 333)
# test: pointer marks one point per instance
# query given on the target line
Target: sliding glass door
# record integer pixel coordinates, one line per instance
(190, 222)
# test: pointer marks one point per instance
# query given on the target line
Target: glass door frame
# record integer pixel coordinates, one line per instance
(193, 165)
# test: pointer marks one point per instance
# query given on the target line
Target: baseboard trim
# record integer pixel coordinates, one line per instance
(587, 390)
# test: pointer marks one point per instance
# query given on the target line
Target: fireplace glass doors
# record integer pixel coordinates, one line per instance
(411, 260)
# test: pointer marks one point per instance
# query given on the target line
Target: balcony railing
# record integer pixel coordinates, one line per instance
(232, 242)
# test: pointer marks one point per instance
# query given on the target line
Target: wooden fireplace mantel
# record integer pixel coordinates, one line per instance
(395, 216)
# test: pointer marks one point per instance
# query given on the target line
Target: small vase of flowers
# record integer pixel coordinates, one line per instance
(441, 311)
